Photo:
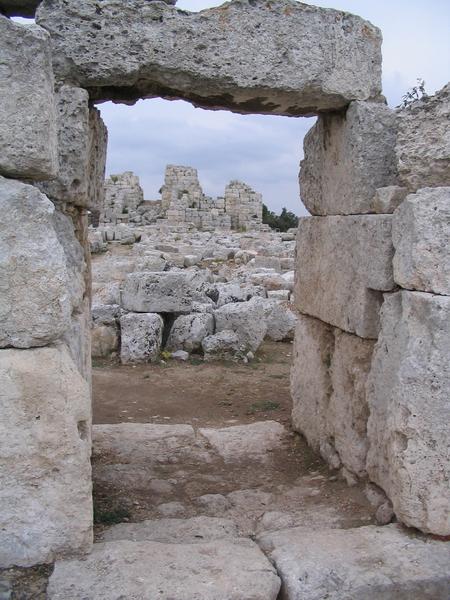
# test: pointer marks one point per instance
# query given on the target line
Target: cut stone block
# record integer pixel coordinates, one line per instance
(82, 139)
(370, 563)
(141, 337)
(165, 292)
(328, 377)
(28, 144)
(423, 143)
(35, 303)
(188, 331)
(45, 447)
(105, 340)
(246, 319)
(276, 70)
(421, 236)
(409, 423)
(148, 570)
(224, 345)
(347, 157)
(349, 264)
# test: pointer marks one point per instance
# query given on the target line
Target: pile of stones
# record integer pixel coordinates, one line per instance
(213, 294)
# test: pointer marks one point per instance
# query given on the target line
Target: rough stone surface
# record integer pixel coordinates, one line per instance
(328, 378)
(35, 306)
(373, 563)
(27, 107)
(105, 340)
(169, 292)
(224, 345)
(173, 531)
(281, 322)
(141, 337)
(423, 143)
(409, 421)
(349, 265)
(147, 570)
(276, 70)
(246, 319)
(347, 157)
(254, 440)
(388, 198)
(45, 446)
(188, 331)
(421, 236)
(82, 139)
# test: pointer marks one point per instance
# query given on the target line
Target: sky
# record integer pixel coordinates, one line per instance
(264, 151)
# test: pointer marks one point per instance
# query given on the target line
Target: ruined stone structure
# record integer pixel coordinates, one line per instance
(182, 202)
(370, 377)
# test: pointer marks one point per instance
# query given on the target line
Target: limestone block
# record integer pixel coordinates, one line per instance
(233, 292)
(105, 314)
(408, 427)
(347, 157)
(348, 411)
(276, 70)
(105, 340)
(421, 236)
(281, 321)
(27, 106)
(141, 337)
(310, 380)
(388, 198)
(35, 303)
(231, 569)
(349, 264)
(423, 143)
(246, 319)
(45, 446)
(82, 139)
(188, 331)
(172, 291)
(370, 563)
(224, 345)
(328, 378)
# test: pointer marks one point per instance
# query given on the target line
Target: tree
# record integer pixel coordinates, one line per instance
(282, 222)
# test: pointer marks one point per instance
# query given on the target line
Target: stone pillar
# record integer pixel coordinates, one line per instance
(45, 397)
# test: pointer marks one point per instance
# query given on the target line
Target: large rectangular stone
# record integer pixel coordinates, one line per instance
(45, 447)
(421, 236)
(409, 424)
(281, 57)
(347, 157)
(423, 143)
(343, 265)
(82, 139)
(27, 106)
(36, 276)
(328, 378)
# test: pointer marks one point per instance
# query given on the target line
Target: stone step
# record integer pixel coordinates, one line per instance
(367, 563)
(173, 531)
(145, 570)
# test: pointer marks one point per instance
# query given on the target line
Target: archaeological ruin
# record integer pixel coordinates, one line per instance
(91, 270)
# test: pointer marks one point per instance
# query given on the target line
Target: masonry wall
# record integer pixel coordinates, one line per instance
(371, 379)
(53, 150)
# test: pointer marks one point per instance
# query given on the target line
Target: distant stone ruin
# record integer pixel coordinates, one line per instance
(182, 202)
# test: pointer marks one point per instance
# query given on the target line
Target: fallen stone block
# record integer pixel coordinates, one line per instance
(45, 447)
(280, 321)
(349, 265)
(224, 345)
(28, 144)
(246, 319)
(347, 157)
(141, 337)
(421, 234)
(35, 302)
(367, 562)
(275, 71)
(409, 423)
(147, 570)
(167, 292)
(104, 340)
(188, 331)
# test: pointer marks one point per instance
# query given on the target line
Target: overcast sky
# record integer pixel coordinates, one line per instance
(264, 151)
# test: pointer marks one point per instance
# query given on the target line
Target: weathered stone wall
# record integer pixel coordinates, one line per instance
(378, 410)
(56, 141)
